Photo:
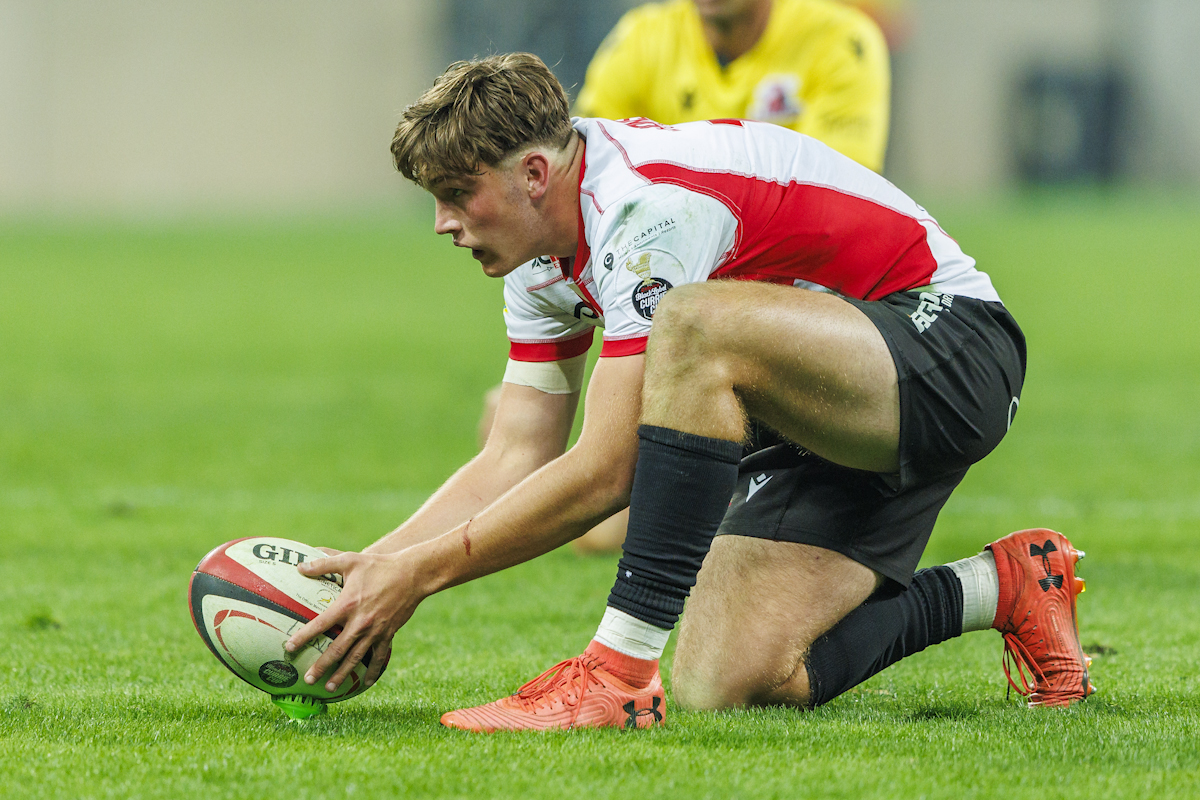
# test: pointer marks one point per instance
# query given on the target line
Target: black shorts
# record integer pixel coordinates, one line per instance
(961, 363)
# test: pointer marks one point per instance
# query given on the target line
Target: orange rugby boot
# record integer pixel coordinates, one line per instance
(1036, 614)
(576, 693)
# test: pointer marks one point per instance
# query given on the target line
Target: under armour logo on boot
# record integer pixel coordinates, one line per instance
(1050, 580)
(1044, 551)
(634, 712)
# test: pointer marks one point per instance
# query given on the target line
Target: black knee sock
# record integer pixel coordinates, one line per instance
(680, 494)
(884, 630)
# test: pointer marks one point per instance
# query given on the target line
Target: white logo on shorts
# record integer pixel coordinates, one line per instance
(756, 484)
(1012, 410)
(932, 304)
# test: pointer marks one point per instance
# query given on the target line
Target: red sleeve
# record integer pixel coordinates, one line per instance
(623, 347)
(552, 349)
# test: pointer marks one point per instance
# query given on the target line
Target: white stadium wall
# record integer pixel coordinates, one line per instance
(153, 105)
(164, 105)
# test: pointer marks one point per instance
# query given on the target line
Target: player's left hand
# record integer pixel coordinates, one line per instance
(377, 598)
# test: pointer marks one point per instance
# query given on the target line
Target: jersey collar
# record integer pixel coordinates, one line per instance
(572, 268)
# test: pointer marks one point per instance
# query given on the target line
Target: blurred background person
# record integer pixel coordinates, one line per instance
(817, 66)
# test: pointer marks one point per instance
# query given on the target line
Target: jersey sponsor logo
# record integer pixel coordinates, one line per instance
(932, 304)
(542, 264)
(641, 267)
(757, 483)
(649, 266)
(647, 296)
(585, 312)
(642, 237)
(777, 99)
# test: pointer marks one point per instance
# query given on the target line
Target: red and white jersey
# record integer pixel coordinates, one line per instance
(663, 205)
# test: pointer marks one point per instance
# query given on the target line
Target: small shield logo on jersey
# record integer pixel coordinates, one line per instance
(641, 267)
(777, 99)
(647, 294)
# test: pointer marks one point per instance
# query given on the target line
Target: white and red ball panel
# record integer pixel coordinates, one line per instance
(248, 638)
(247, 599)
(266, 565)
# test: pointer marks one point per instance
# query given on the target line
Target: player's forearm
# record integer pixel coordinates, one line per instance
(558, 503)
(530, 429)
(470, 490)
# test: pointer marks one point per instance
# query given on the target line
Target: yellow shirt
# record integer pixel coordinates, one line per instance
(820, 68)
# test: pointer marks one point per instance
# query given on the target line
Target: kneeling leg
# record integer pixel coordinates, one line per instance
(757, 607)
(776, 623)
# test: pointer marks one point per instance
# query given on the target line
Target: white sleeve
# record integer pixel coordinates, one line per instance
(542, 315)
(665, 236)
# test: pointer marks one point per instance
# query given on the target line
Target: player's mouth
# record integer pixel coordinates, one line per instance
(476, 252)
(486, 260)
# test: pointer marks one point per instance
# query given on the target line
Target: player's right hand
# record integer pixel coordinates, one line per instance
(377, 598)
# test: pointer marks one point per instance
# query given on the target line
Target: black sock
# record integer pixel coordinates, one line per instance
(884, 630)
(681, 491)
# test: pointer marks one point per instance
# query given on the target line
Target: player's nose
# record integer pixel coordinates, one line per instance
(443, 220)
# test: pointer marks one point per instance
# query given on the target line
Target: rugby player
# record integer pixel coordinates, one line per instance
(824, 365)
(816, 66)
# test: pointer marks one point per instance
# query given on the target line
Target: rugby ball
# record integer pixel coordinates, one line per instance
(247, 599)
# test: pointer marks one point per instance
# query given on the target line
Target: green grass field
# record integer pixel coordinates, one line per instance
(165, 388)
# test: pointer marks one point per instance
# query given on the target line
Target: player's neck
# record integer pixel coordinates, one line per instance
(563, 209)
(733, 36)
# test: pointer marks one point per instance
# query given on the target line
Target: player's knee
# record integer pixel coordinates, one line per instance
(687, 325)
(713, 685)
(680, 314)
(694, 690)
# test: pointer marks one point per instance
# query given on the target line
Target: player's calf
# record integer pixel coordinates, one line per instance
(757, 607)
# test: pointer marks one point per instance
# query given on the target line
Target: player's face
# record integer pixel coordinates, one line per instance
(489, 214)
(719, 11)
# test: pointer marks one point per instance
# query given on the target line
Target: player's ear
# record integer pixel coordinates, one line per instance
(535, 173)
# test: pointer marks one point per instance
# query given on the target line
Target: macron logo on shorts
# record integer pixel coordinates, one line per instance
(756, 484)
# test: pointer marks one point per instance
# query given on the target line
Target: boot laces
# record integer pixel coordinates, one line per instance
(557, 683)
(1018, 659)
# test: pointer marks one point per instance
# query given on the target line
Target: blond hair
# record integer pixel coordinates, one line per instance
(476, 114)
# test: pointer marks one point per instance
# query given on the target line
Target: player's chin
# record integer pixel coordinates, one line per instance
(492, 265)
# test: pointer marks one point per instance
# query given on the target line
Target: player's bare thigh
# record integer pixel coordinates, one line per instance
(757, 607)
(808, 364)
